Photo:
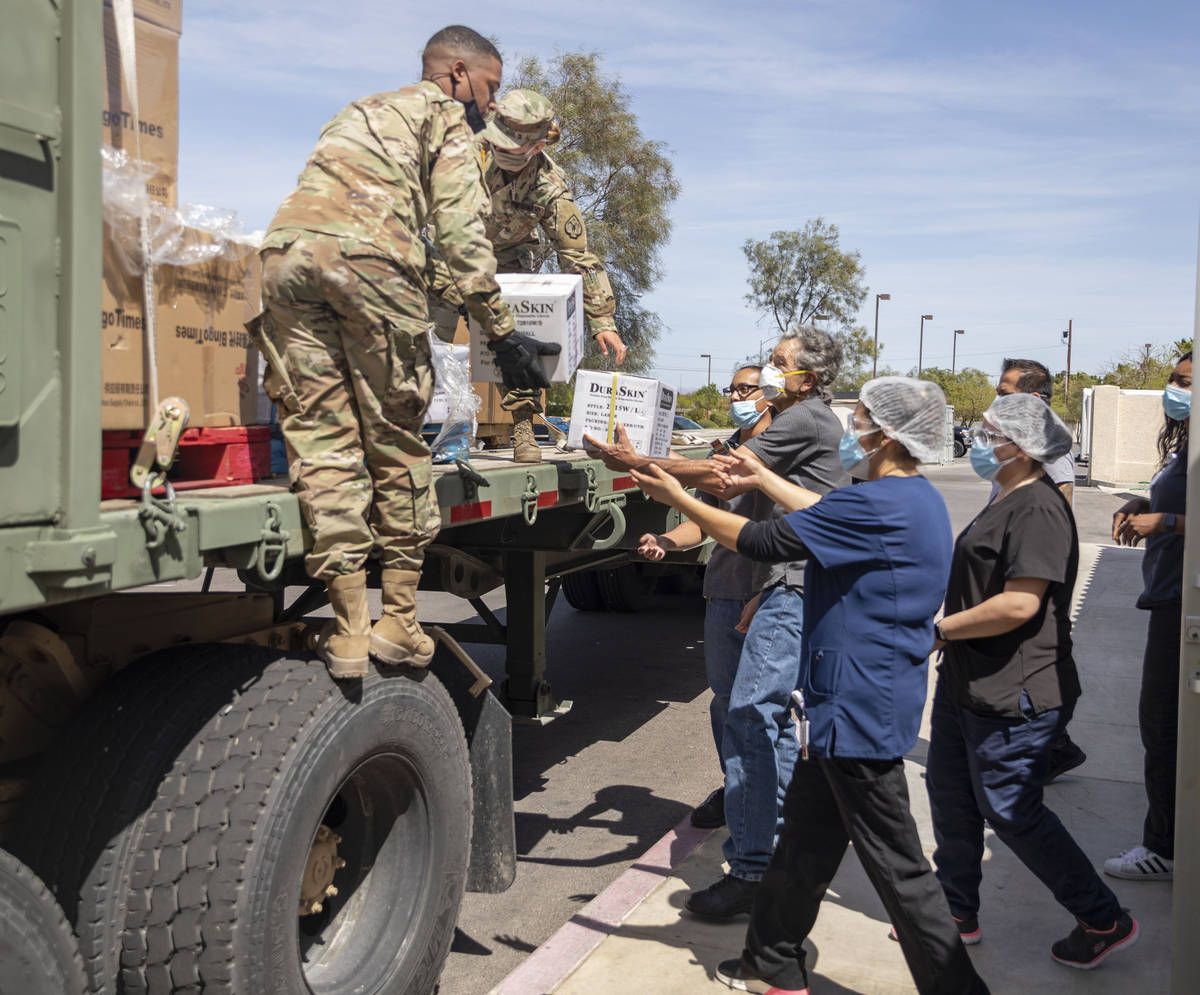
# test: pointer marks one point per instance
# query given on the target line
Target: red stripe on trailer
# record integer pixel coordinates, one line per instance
(547, 499)
(470, 512)
(622, 483)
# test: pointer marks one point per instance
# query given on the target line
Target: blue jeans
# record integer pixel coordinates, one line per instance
(722, 650)
(991, 767)
(760, 741)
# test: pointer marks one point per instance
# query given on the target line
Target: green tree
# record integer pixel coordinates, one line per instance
(858, 355)
(1072, 414)
(969, 391)
(1145, 367)
(623, 182)
(796, 275)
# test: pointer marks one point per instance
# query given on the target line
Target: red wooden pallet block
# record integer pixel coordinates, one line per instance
(207, 457)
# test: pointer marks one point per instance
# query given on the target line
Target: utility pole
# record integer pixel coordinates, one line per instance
(875, 354)
(921, 343)
(954, 349)
(705, 355)
(1067, 339)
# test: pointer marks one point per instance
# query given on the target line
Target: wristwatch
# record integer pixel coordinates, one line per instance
(1169, 522)
(938, 634)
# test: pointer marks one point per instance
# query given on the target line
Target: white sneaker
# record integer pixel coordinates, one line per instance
(1140, 864)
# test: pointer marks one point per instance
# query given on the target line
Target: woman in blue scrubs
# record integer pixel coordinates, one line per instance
(878, 558)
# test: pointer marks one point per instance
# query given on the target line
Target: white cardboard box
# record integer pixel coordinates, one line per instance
(439, 404)
(645, 407)
(548, 306)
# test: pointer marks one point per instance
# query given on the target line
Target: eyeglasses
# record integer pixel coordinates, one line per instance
(990, 438)
(858, 427)
(740, 389)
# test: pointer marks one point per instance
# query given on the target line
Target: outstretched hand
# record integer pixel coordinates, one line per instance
(659, 485)
(739, 468)
(611, 340)
(617, 455)
(652, 546)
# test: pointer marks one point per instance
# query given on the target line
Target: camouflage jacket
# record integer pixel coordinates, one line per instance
(539, 196)
(383, 170)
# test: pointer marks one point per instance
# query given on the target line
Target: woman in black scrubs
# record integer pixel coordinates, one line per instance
(1007, 686)
(1161, 522)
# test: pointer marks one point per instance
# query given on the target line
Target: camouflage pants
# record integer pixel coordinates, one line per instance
(350, 331)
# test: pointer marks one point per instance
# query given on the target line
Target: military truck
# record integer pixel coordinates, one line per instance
(205, 809)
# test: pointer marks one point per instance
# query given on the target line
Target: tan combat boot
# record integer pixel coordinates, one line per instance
(397, 637)
(345, 642)
(525, 445)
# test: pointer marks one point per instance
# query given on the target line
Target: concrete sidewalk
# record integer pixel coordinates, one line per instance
(632, 938)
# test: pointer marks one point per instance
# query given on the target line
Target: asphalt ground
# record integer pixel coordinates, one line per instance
(596, 788)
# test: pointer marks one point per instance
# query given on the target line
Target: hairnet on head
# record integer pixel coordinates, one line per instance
(913, 412)
(1029, 422)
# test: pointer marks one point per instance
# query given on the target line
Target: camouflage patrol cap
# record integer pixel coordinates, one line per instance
(522, 117)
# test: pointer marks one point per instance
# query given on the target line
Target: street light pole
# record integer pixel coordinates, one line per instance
(954, 350)
(875, 354)
(1067, 336)
(921, 343)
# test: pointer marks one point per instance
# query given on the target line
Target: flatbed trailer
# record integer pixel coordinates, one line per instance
(207, 808)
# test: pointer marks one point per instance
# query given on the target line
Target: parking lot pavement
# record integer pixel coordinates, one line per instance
(634, 937)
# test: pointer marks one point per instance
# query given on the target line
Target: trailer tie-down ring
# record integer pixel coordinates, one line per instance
(159, 515)
(606, 511)
(273, 541)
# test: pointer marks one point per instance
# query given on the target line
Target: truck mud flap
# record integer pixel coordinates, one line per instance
(488, 728)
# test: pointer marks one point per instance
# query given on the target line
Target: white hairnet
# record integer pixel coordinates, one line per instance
(913, 412)
(1029, 422)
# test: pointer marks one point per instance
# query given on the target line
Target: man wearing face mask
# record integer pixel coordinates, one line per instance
(759, 744)
(728, 578)
(527, 191)
(345, 325)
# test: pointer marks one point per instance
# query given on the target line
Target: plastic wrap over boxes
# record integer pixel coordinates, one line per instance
(153, 135)
(646, 408)
(439, 405)
(548, 306)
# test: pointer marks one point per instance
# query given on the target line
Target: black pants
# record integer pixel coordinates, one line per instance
(831, 802)
(1158, 716)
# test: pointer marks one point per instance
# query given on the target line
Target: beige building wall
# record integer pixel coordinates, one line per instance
(1125, 427)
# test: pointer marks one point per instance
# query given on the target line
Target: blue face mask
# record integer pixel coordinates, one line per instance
(1177, 402)
(984, 460)
(851, 452)
(745, 414)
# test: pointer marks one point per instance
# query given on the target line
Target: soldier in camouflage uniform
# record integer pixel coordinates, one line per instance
(528, 190)
(345, 332)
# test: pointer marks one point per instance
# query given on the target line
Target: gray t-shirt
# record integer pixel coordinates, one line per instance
(728, 573)
(801, 445)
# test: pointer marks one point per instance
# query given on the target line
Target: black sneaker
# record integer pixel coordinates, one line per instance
(1086, 948)
(1065, 755)
(710, 813)
(725, 899)
(734, 974)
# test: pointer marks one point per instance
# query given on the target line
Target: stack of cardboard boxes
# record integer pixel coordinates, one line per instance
(203, 352)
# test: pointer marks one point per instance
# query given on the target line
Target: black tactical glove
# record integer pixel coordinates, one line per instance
(517, 356)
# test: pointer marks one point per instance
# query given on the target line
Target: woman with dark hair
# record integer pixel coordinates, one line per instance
(1161, 522)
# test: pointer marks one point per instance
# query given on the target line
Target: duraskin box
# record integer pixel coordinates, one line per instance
(548, 306)
(603, 400)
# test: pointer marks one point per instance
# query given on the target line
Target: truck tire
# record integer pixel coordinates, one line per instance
(38, 952)
(626, 588)
(278, 775)
(582, 591)
(88, 801)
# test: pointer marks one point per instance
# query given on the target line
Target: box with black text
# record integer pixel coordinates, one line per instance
(603, 400)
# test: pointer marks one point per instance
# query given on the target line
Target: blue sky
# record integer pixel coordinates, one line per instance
(1003, 167)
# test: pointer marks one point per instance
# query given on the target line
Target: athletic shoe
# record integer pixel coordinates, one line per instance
(969, 931)
(724, 899)
(710, 813)
(1065, 755)
(734, 974)
(1140, 864)
(1086, 948)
